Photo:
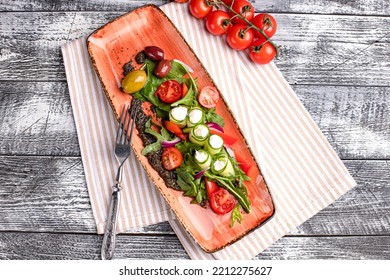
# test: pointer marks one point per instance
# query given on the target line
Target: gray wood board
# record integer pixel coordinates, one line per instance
(83, 246)
(358, 7)
(36, 119)
(316, 49)
(49, 194)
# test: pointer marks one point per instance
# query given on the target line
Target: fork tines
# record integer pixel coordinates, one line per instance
(126, 125)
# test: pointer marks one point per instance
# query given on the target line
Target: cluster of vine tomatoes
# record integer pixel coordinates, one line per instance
(244, 30)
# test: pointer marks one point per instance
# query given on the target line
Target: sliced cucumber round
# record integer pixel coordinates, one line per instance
(178, 115)
(199, 134)
(222, 165)
(214, 144)
(203, 159)
(195, 116)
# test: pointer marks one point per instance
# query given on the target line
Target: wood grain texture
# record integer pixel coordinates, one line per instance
(338, 66)
(36, 119)
(49, 194)
(339, 50)
(32, 246)
(358, 7)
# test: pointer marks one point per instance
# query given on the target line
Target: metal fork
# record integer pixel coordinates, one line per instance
(122, 152)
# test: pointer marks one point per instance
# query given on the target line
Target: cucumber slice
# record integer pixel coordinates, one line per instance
(195, 116)
(214, 144)
(199, 134)
(178, 115)
(203, 159)
(222, 165)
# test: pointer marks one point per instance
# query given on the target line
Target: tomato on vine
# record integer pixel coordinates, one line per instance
(262, 51)
(244, 8)
(239, 37)
(218, 22)
(265, 22)
(199, 8)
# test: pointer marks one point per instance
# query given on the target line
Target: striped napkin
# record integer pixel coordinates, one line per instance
(303, 172)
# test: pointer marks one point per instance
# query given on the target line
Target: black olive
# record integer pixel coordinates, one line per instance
(140, 57)
(127, 68)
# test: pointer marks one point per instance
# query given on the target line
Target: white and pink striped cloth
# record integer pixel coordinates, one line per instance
(303, 172)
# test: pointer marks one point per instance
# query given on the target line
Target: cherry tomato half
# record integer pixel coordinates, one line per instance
(218, 22)
(243, 8)
(169, 91)
(171, 158)
(262, 53)
(222, 202)
(199, 8)
(238, 38)
(208, 97)
(181, 1)
(265, 22)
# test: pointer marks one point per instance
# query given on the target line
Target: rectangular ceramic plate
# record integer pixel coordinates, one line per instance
(114, 44)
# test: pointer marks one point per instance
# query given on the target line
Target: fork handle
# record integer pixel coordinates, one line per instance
(108, 246)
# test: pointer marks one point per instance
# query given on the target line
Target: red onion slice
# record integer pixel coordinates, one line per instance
(215, 126)
(172, 143)
(199, 174)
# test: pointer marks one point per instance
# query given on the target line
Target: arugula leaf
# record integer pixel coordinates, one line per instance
(139, 96)
(190, 186)
(163, 135)
(186, 147)
(177, 70)
(186, 100)
(154, 147)
(236, 215)
(148, 91)
(239, 193)
(212, 116)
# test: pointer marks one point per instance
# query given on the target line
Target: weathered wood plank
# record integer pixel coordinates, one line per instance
(37, 118)
(49, 194)
(73, 246)
(355, 120)
(346, 248)
(358, 7)
(341, 50)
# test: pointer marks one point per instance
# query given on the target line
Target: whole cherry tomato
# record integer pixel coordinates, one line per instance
(265, 22)
(199, 8)
(238, 37)
(243, 8)
(227, 2)
(262, 52)
(218, 22)
(181, 1)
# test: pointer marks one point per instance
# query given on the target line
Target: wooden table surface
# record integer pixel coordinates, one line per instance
(335, 54)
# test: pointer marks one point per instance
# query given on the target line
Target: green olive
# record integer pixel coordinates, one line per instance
(134, 81)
